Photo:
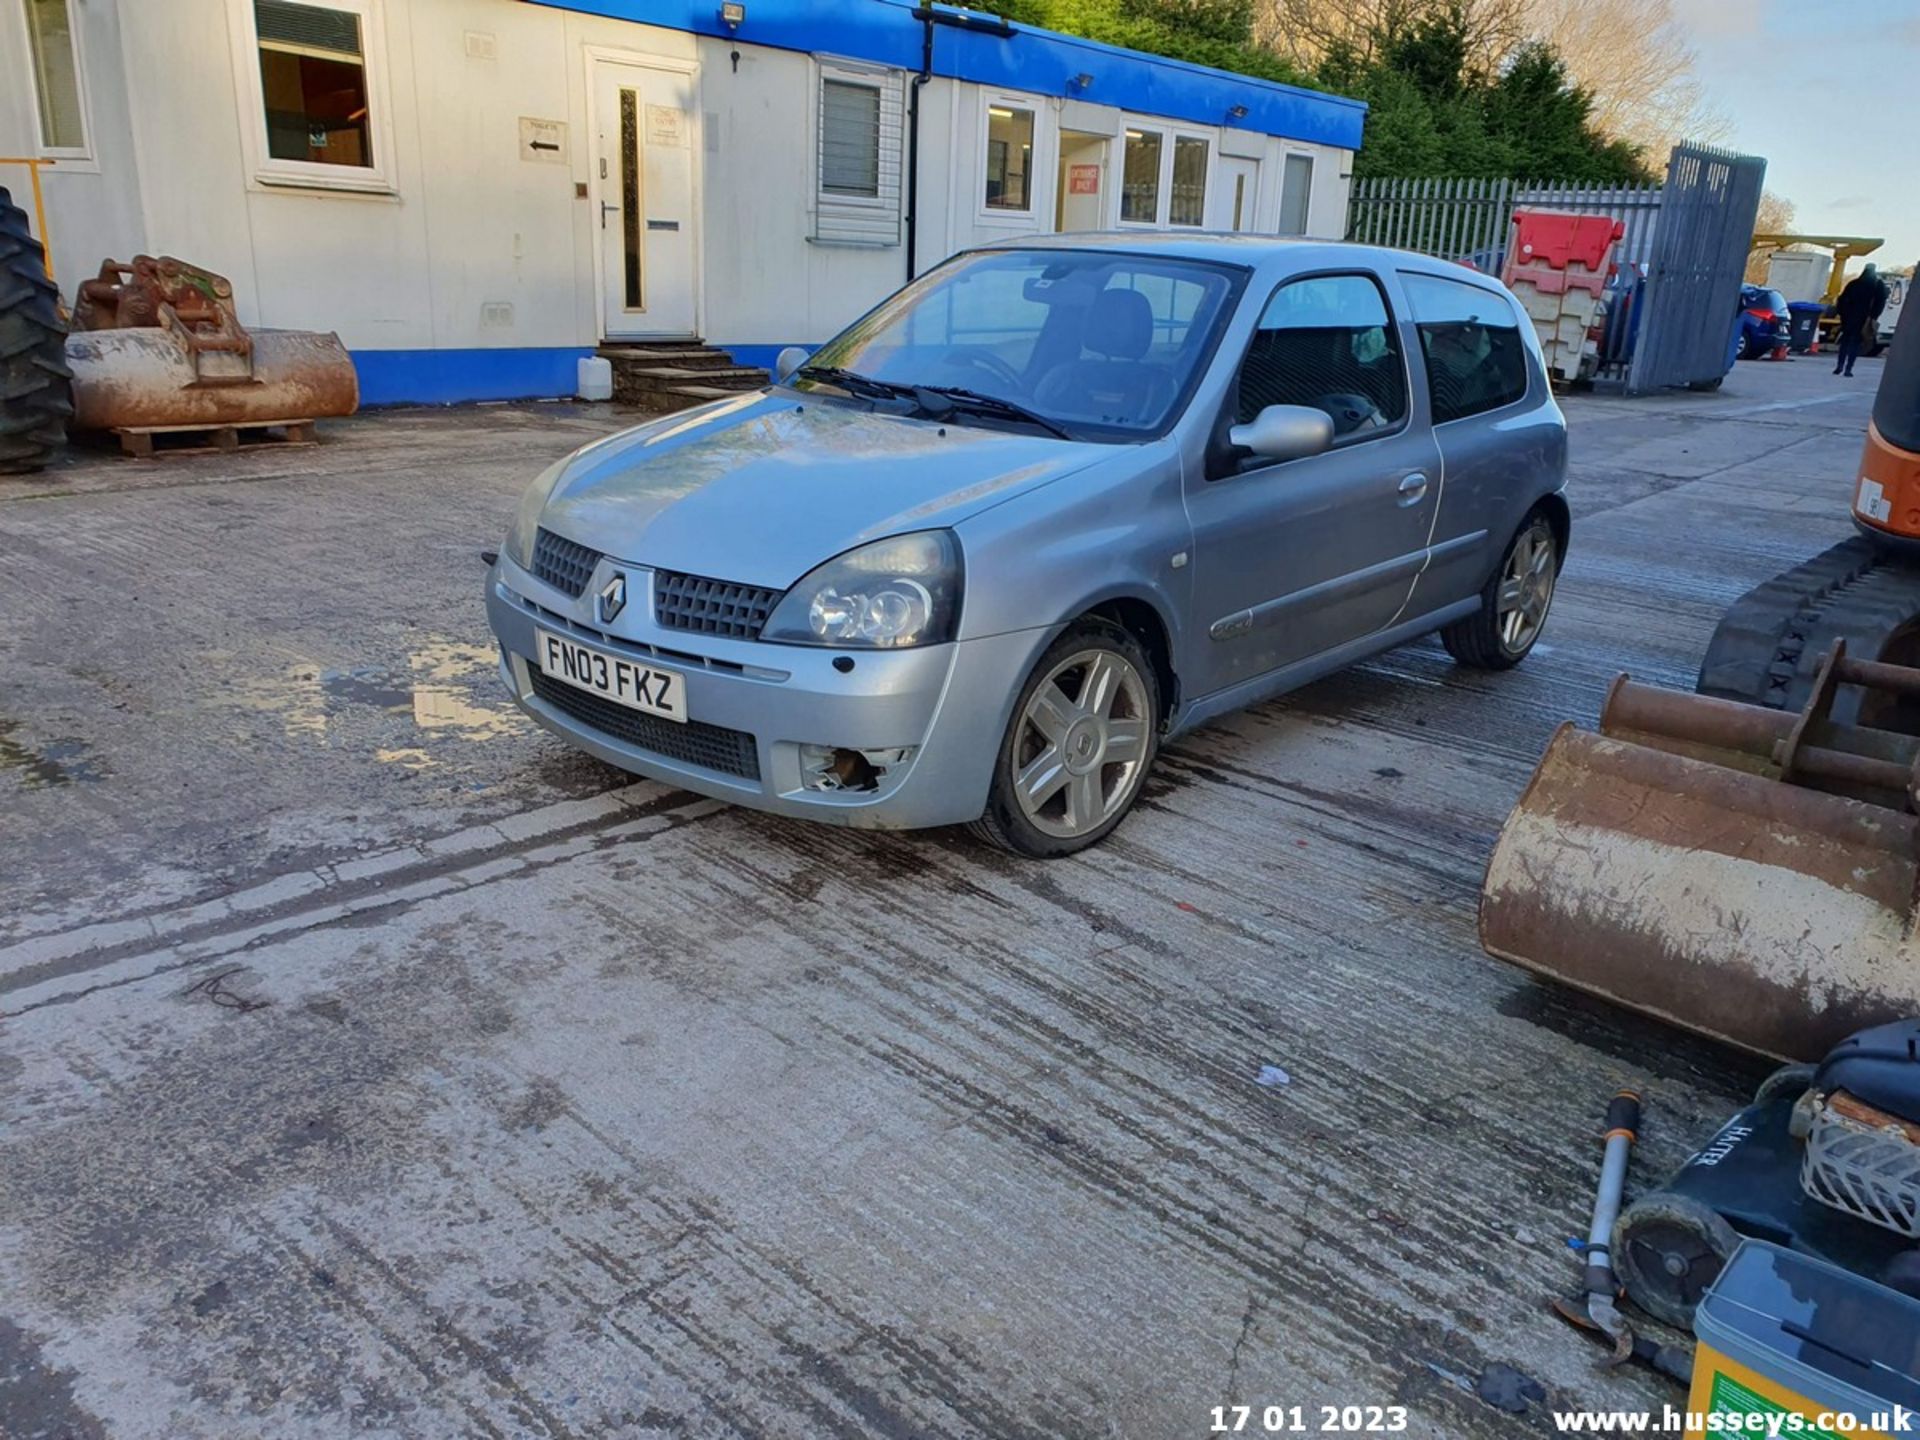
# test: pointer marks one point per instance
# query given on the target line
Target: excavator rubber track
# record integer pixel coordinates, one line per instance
(1768, 647)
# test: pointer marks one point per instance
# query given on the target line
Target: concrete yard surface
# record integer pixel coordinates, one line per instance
(372, 1065)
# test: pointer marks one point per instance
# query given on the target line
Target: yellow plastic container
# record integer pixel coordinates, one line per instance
(1783, 1334)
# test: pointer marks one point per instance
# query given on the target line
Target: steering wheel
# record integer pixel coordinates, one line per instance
(988, 361)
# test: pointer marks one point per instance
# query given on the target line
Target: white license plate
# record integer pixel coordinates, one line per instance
(638, 687)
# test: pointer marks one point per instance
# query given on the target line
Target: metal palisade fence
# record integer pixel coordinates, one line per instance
(1708, 208)
(1456, 219)
(1670, 330)
(1460, 219)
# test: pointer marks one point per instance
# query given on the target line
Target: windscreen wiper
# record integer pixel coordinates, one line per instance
(975, 402)
(854, 383)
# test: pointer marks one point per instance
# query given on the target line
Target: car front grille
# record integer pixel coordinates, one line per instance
(711, 747)
(711, 607)
(565, 564)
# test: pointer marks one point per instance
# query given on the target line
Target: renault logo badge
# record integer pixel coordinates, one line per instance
(613, 598)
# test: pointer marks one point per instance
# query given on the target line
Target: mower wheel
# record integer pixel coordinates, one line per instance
(1788, 1082)
(1667, 1249)
(36, 387)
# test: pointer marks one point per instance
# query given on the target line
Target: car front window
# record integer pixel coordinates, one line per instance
(1100, 344)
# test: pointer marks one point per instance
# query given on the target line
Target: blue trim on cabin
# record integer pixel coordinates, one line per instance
(455, 377)
(1038, 62)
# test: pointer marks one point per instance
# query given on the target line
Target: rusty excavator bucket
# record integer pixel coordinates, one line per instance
(1738, 871)
(157, 343)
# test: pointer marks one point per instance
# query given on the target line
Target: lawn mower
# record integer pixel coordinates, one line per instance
(1825, 1160)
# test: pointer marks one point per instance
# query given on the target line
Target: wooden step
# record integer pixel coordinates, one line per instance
(699, 394)
(747, 377)
(689, 356)
(662, 385)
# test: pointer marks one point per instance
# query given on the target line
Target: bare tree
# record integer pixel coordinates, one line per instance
(1775, 218)
(1306, 30)
(1633, 58)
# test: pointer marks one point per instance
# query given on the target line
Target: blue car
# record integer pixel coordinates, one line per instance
(1764, 321)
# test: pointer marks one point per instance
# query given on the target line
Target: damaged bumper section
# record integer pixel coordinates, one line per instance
(898, 739)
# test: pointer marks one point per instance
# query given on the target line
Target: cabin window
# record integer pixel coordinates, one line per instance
(54, 51)
(1188, 199)
(1009, 158)
(849, 139)
(1140, 178)
(861, 140)
(313, 80)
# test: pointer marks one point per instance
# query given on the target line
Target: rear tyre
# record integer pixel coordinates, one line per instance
(1667, 1249)
(36, 387)
(1514, 603)
(1789, 1081)
(1084, 732)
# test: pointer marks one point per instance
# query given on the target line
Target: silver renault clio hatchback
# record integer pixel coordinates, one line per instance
(976, 558)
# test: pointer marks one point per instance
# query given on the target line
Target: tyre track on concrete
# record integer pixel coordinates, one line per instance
(371, 889)
(952, 1016)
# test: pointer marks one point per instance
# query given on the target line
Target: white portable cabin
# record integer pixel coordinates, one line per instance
(476, 193)
(1800, 274)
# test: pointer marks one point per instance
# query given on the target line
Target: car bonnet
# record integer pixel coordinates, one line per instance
(761, 489)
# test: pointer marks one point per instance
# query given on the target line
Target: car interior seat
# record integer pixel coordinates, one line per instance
(1114, 384)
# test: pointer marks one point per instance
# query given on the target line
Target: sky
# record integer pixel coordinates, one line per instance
(1829, 92)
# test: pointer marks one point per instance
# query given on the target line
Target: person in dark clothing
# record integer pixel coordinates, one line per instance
(1859, 305)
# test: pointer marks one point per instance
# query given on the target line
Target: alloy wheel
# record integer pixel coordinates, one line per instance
(1082, 743)
(1526, 589)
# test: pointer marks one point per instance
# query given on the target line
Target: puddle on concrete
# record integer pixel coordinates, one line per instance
(411, 756)
(56, 762)
(439, 689)
(443, 675)
(366, 687)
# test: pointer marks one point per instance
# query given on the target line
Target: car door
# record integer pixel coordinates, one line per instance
(1495, 433)
(1296, 558)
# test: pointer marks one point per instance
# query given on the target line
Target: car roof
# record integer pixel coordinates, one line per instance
(1281, 253)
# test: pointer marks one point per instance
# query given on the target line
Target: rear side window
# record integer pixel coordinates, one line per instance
(1470, 338)
(1327, 341)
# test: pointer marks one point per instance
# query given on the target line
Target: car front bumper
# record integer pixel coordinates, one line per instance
(753, 706)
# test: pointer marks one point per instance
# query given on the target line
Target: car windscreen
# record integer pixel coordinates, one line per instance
(1102, 344)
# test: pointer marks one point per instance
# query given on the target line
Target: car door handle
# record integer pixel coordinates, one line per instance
(1413, 489)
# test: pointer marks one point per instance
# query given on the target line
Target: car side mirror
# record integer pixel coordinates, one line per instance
(1284, 432)
(788, 361)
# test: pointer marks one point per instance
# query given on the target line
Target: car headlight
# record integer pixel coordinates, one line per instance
(885, 596)
(526, 519)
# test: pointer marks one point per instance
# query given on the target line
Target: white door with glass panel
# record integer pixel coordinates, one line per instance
(642, 190)
(1234, 182)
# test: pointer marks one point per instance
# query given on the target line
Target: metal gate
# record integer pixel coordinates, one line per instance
(1698, 255)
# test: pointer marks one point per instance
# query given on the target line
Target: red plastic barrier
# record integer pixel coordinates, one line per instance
(1560, 239)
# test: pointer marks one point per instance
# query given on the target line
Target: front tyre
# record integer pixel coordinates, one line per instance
(1084, 732)
(1514, 604)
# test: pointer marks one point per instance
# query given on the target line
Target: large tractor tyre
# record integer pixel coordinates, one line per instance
(36, 387)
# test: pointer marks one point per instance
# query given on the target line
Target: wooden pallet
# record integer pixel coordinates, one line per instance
(145, 441)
